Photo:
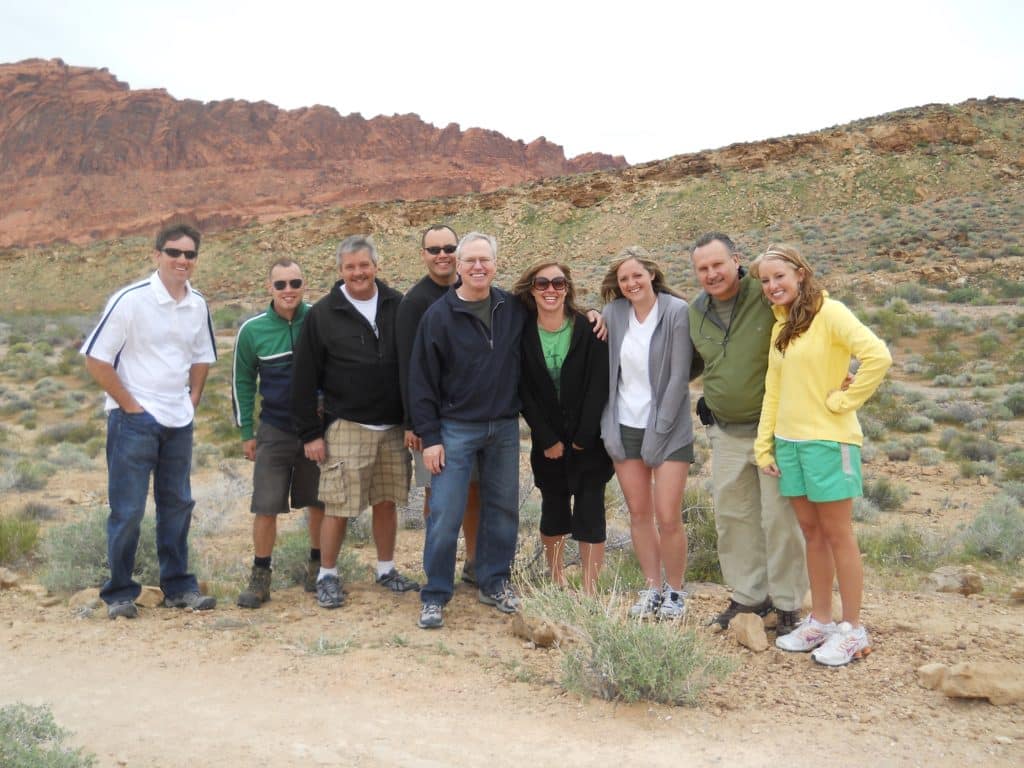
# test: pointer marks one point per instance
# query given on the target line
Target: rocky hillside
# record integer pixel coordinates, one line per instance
(82, 156)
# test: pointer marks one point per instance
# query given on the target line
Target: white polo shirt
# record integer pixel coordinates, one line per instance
(152, 341)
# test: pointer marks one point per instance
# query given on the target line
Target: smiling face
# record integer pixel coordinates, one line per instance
(550, 299)
(287, 299)
(477, 269)
(635, 282)
(780, 281)
(440, 266)
(358, 272)
(718, 270)
(175, 271)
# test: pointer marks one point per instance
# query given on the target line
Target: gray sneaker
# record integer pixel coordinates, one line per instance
(329, 593)
(122, 609)
(431, 616)
(672, 606)
(647, 603)
(193, 600)
(396, 582)
(258, 591)
(504, 598)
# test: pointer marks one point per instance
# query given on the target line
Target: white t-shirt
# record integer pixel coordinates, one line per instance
(153, 341)
(634, 395)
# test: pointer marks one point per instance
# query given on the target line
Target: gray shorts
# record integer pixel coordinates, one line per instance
(281, 467)
(633, 439)
(423, 476)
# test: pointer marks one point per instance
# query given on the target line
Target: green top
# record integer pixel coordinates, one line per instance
(555, 346)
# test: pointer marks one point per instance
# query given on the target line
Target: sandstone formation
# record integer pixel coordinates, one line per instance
(83, 156)
(1001, 682)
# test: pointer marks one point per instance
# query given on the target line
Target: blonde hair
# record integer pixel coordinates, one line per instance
(808, 299)
(610, 283)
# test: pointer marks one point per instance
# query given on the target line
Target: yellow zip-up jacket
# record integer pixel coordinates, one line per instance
(803, 399)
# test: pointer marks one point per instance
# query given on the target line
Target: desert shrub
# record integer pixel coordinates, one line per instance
(37, 510)
(291, 553)
(625, 660)
(997, 532)
(1014, 489)
(886, 494)
(75, 554)
(916, 422)
(976, 449)
(228, 317)
(901, 546)
(702, 537)
(966, 294)
(958, 412)
(872, 427)
(944, 361)
(1015, 399)
(1013, 465)
(69, 432)
(17, 538)
(27, 475)
(929, 457)
(865, 510)
(896, 451)
(970, 469)
(31, 738)
(71, 457)
(988, 342)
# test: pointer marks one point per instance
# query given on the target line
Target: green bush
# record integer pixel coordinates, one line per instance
(1013, 465)
(901, 546)
(68, 432)
(886, 494)
(17, 538)
(27, 475)
(997, 532)
(1015, 399)
(31, 738)
(702, 537)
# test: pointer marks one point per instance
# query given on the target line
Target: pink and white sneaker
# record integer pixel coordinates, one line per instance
(808, 635)
(843, 646)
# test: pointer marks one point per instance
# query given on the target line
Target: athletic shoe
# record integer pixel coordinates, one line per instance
(123, 608)
(672, 606)
(504, 598)
(843, 646)
(431, 616)
(646, 605)
(258, 591)
(786, 621)
(329, 593)
(723, 619)
(193, 600)
(396, 582)
(469, 572)
(312, 572)
(808, 635)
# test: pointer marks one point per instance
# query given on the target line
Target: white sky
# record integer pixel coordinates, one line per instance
(642, 79)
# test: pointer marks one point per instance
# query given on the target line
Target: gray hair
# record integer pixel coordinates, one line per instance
(473, 237)
(357, 243)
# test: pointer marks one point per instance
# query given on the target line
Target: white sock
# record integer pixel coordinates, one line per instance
(384, 567)
(327, 572)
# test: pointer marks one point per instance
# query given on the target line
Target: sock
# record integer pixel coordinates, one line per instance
(327, 572)
(261, 562)
(314, 554)
(384, 567)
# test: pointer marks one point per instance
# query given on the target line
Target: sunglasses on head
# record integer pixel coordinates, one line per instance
(558, 283)
(295, 282)
(435, 250)
(176, 252)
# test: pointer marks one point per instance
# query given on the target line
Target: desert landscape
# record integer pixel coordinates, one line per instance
(915, 219)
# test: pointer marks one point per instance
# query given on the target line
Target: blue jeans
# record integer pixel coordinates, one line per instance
(137, 448)
(494, 446)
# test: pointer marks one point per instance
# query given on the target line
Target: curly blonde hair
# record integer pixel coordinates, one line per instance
(809, 297)
(610, 283)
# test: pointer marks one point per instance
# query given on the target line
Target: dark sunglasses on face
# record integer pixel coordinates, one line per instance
(295, 282)
(176, 252)
(435, 250)
(558, 283)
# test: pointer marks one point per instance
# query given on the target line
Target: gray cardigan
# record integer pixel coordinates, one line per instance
(670, 425)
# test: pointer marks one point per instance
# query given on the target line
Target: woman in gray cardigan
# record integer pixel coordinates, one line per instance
(646, 425)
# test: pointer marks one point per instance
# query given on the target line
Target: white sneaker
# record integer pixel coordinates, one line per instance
(646, 605)
(673, 605)
(808, 635)
(843, 646)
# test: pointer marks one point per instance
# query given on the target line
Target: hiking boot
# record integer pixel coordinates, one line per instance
(808, 635)
(673, 605)
(193, 600)
(312, 571)
(431, 616)
(396, 582)
(329, 593)
(646, 605)
(843, 646)
(469, 572)
(504, 598)
(258, 591)
(723, 619)
(122, 609)
(786, 621)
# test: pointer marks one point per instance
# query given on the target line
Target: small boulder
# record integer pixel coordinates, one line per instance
(150, 597)
(964, 579)
(932, 675)
(748, 630)
(543, 634)
(85, 599)
(1001, 682)
(8, 579)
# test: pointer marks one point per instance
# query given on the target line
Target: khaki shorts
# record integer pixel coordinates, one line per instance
(364, 467)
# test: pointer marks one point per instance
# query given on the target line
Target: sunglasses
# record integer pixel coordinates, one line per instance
(558, 283)
(295, 282)
(176, 252)
(435, 250)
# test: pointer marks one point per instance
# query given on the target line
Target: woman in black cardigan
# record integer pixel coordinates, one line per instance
(564, 387)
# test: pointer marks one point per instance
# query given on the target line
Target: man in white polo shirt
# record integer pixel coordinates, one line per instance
(151, 352)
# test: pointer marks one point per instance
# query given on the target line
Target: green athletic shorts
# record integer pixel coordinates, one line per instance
(821, 470)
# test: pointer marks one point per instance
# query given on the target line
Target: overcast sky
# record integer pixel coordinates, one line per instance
(642, 79)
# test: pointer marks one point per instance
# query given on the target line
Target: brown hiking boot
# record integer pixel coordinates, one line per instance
(733, 608)
(258, 591)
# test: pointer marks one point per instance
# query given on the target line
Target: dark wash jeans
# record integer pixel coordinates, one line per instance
(139, 448)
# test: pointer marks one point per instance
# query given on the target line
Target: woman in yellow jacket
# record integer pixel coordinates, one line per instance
(809, 438)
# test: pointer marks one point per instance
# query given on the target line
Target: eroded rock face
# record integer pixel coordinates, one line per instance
(83, 156)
